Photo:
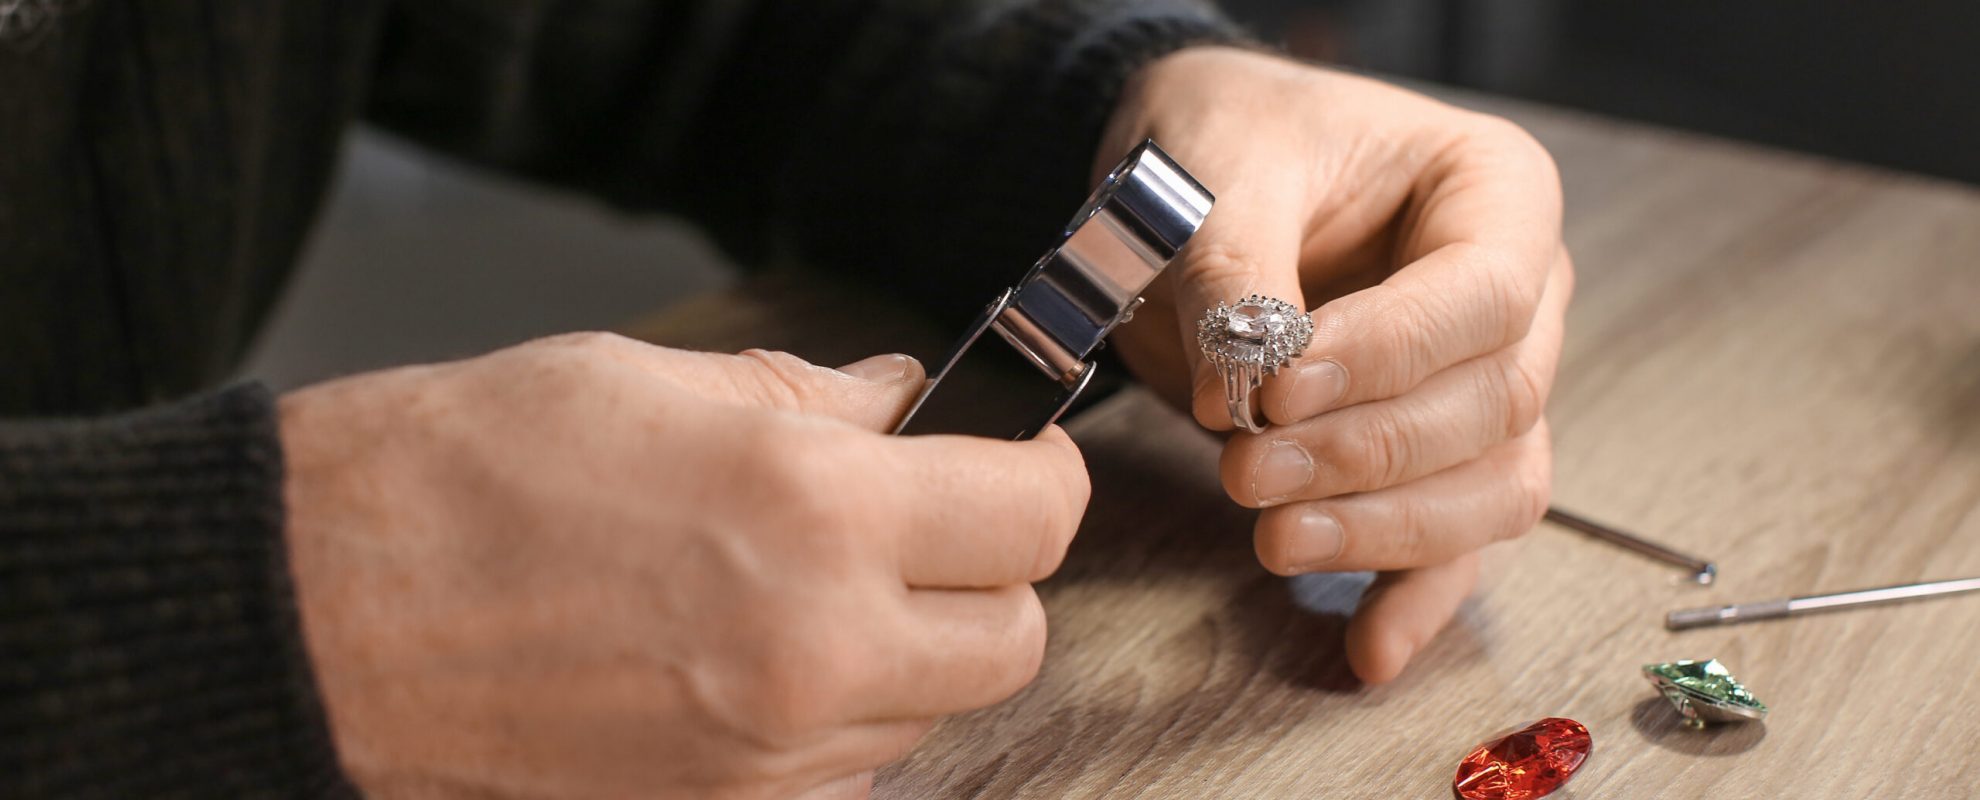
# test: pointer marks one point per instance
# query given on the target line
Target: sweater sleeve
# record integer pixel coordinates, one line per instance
(934, 147)
(149, 643)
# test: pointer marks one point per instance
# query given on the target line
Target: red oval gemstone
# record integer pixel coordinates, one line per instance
(1528, 763)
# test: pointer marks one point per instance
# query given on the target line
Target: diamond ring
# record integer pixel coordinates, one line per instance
(1248, 341)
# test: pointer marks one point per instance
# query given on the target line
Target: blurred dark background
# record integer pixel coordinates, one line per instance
(433, 260)
(1890, 82)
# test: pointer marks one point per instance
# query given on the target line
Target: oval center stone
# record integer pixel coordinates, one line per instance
(1255, 322)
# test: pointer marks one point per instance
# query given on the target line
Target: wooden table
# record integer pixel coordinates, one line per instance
(1772, 361)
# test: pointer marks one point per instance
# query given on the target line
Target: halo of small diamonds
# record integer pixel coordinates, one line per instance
(1257, 333)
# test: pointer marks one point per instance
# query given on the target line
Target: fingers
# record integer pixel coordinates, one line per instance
(1451, 418)
(1423, 522)
(1401, 612)
(1478, 259)
(960, 650)
(989, 513)
(871, 393)
(1249, 244)
(976, 512)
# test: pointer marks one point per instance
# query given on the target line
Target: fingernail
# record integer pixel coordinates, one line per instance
(1286, 468)
(1316, 387)
(879, 369)
(1315, 542)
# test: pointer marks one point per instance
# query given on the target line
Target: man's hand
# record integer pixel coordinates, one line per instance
(589, 567)
(1428, 240)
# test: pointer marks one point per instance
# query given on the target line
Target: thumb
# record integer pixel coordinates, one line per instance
(887, 385)
(1249, 245)
(871, 393)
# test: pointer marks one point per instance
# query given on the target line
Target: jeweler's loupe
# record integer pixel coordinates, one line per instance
(1050, 323)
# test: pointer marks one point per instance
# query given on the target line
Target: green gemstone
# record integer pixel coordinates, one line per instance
(1704, 691)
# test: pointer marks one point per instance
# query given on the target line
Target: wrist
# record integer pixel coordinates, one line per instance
(333, 493)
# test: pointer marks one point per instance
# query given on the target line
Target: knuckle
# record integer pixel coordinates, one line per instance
(1522, 393)
(1376, 451)
(1495, 305)
(1533, 489)
(1051, 552)
(1562, 280)
(1495, 126)
(771, 458)
(801, 684)
(1219, 263)
(1409, 536)
(800, 477)
(1028, 639)
(1543, 161)
(1357, 454)
(1512, 299)
(1404, 335)
(1078, 488)
(1062, 522)
(1051, 528)
(1044, 487)
(587, 340)
(777, 378)
(1498, 129)
(579, 348)
(1072, 478)
(835, 666)
(588, 350)
(561, 374)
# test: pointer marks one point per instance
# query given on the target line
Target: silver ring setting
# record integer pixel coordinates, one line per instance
(1248, 341)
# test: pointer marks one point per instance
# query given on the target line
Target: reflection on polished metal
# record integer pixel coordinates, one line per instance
(1704, 692)
(1129, 229)
(1702, 572)
(1791, 606)
(1248, 341)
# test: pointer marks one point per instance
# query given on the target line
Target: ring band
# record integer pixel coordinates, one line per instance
(1238, 388)
(1248, 341)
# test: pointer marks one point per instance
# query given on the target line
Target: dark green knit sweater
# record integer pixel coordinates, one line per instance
(160, 163)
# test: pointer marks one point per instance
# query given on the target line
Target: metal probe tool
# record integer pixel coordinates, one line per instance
(1703, 572)
(1791, 606)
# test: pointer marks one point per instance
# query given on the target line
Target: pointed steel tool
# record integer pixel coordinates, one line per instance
(1702, 572)
(1791, 606)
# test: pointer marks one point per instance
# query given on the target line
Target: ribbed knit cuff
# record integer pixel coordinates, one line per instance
(149, 641)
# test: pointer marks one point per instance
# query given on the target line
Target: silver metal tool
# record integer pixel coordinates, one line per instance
(1703, 572)
(1791, 606)
(1050, 323)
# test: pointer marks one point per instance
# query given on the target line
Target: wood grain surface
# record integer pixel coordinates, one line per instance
(1772, 361)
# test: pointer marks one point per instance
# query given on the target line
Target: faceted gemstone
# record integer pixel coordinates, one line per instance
(1704, 691)
(1526, 764)
(1255, 321)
